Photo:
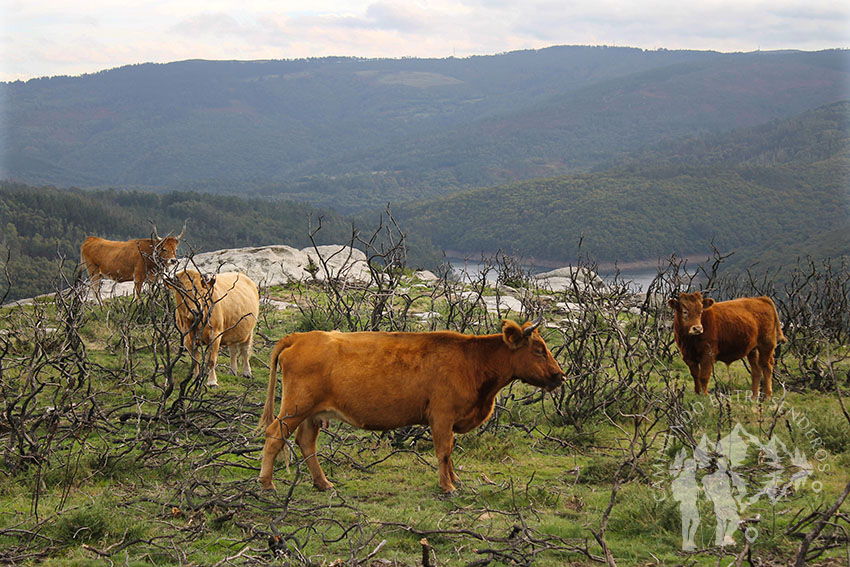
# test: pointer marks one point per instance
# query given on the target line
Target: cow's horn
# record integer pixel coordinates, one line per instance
(530, 329)
(182, 232)
(155, 233)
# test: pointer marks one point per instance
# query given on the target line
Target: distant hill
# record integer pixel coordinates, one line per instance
(357, 133)
(771, 193)
(41, 227)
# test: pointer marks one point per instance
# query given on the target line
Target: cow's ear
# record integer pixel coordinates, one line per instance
(673, 303)
(707, 302)
(512, 334)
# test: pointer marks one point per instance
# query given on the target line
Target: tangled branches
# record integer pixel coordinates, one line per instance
(121, 454)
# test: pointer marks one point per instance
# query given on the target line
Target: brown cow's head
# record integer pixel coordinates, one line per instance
(165, 249)
(689, 308)
(533, 362)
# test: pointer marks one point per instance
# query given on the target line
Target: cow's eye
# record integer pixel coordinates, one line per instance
(684, 312)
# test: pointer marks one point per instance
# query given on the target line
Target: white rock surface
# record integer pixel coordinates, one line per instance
(503, 303)
(562, 280)
(267, 265)
(278, 265)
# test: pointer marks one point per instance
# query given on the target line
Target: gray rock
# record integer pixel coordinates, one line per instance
(562, 279)
(281, 264)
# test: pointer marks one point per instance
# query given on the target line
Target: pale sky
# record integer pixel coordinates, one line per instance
(69, 37)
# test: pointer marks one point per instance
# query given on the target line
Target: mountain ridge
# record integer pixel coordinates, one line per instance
(356, 133)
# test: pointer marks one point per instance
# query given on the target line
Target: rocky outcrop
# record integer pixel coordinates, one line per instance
(270, 265)
(568, 278)
(277, 265)
(281, 264)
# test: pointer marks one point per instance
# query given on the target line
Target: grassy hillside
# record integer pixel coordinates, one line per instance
(776, 191)
(113, 453)
(355, 133)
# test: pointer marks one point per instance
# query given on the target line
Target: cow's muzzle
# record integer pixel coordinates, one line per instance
(695, 330)
(555, 382)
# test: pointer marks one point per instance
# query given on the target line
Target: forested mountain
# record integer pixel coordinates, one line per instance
(771, 193)
(358, 133)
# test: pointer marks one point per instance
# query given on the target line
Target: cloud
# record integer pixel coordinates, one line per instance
(209, 24)
(398, 17)
(52, 37)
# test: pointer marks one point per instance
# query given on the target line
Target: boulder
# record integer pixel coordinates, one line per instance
(266, 265)
(503, 303)
(280, 264)
(562, 279)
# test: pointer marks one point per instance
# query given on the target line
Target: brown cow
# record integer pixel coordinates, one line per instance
(138, 260)
(226, 307)
(381, 381)
(707, 331)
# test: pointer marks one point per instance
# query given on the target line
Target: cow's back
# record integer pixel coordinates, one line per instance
(237, 303)
(114, 259)
(378, 380)
(737, 326)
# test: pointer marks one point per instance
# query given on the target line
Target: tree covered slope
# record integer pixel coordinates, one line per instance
(358, 133)
(765, 190)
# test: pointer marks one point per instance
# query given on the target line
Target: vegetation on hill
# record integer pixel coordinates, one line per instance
(358, 133)
(772, 193)
(43, 226)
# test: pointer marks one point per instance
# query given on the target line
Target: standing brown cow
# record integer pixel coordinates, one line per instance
(382, 381)
(707, 331)
(139, 260)
(219, 311)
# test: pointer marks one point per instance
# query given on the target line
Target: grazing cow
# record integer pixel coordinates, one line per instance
(381, 381)
(707, 331)
(139, 260)
(226, 308)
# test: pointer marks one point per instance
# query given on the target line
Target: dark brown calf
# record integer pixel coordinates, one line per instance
(707, 331)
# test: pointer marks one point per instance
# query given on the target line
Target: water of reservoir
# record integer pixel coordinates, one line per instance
(638, 279)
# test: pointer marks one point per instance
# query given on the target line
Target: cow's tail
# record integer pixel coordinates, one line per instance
(268, 410)
(780, 336)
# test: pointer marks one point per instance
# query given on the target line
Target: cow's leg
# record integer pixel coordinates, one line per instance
(276, 433)
(767, 362)
(452, 473)
(234, 359)
(308, 433)
(192, 349)
(755, 373)
(212, 357)
(694, 368)
(705, 368)
(96, 279)
(444, 440)
(138, 280)
(241, 353)
(246, 349)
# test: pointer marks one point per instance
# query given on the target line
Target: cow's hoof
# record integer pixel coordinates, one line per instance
(323, 486)
(267, 483)
(246, 375)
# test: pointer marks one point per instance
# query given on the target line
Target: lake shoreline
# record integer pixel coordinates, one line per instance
(659, 263)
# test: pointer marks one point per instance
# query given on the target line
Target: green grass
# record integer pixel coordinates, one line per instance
(125, 487)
